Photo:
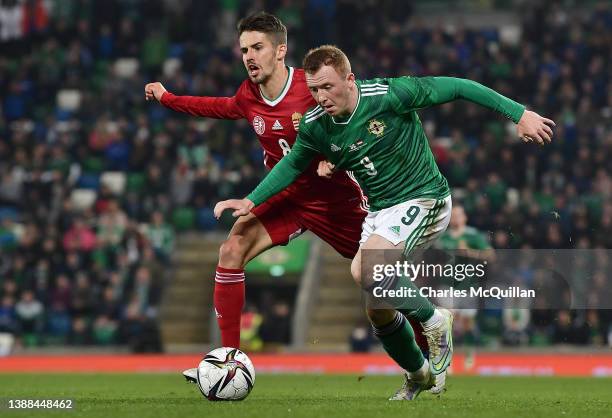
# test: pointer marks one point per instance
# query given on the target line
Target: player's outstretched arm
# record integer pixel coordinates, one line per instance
(412, 93)
(210, 107)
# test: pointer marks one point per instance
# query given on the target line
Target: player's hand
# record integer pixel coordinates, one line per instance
(154, 91)
(534, 128)
(325, 169)
(241, 207)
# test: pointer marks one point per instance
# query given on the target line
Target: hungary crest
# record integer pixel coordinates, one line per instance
(376, 127)
(296, 118)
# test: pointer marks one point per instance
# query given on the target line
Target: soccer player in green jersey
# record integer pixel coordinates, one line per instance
(371, 129)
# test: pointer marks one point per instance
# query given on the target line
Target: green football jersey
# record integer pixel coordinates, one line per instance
(382, 143)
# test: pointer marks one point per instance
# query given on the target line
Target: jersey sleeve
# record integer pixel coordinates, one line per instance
(287, 170)
(210, 107)
(413, 93)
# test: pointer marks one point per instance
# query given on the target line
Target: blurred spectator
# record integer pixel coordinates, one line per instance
(8, 316)
(104, 330)
(79, 237)
(81, 332)
(250, 323)
(161, 236)
(62, 292)
(111, 226)
(276, 326)
(30, 314)
(516, 323)
(11, 18)
(140, 331)
(471, 246)
(59, 322)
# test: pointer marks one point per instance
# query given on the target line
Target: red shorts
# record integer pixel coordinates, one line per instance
(338, 223)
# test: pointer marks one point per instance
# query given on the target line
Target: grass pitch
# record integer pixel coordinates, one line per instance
(328, 396)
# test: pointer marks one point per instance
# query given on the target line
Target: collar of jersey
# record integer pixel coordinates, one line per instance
(283, 93)
(345, 122)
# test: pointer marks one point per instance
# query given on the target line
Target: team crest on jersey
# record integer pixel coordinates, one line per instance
(376, 127)
(296, 118)
(259, 125)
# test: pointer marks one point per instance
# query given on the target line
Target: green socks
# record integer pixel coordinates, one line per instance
(397, 338)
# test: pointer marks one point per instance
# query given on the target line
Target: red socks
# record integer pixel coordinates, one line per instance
(229, 301)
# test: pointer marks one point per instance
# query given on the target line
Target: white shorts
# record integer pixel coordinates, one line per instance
(418, 222)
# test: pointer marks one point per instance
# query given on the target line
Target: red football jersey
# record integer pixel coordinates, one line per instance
(275, 123)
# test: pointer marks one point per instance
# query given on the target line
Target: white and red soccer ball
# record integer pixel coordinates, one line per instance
(226, 374)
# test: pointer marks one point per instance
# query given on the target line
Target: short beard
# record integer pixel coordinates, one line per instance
(262, 79)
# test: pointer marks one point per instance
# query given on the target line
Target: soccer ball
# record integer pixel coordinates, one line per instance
(226, 374)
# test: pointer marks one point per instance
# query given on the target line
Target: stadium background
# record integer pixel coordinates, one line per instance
(108, 243)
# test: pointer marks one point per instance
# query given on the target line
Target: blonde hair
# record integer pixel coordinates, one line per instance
(326, 55)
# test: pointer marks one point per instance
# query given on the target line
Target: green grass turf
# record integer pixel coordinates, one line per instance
(167, 395)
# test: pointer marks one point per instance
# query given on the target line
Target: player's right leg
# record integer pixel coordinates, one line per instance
(431, 224)
(429, 219)
(416, 224)
(269, 224)
(390, 326)
(247, 238)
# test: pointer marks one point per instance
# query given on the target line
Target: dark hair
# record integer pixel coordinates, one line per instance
(326, 55)
(265, 23)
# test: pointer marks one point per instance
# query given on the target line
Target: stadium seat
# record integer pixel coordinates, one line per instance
(8, 212)
(30, 340)
(69, 100)
(93, 165)
(171, 66)
(183, 219)
(83, 199)
(135, 182)
(89, 181)
(126, 67)
(114, 180)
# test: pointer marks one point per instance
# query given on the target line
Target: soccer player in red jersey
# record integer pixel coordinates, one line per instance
(273, 99)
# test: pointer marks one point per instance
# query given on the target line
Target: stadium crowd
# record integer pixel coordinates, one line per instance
(94, 181)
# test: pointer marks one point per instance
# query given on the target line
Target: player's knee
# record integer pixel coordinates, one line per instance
(380, 317)
(232, 253)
